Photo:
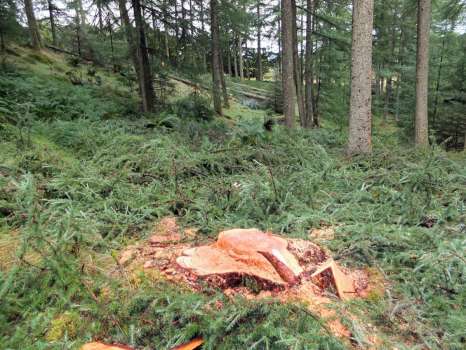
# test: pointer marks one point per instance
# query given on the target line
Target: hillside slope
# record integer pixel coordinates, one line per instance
(83, 175)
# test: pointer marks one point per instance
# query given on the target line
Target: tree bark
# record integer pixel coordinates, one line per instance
(259, 48)
(240, 58)
(437, 83)
(125, 22)
(421, 129)
(53, 28)
(82, 14)
(360, 118)
(289, 87)
(32, 25)
(309, 74)
(145, 77)
(226, 102)
(99, 13)
(216, 78)
(296, 67)
(235, 60)
(230, 73)
(2, 42)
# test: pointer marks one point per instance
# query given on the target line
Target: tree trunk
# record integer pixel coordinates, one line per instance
(226, 102)
(259, 48)
(32, 24)
(82, 14)
(235, 60)
(165, 29)
(53, 28)
(2, 41)
(399, 76)
(216, 69)
(296, 67)
(145, 76)
(110, 31)
(437, 83)
(301, 51)
(361, 76)
(240, 58)
(289, 87)
(309, 75)
(229, 59)
(421, 129)
(125, 22)
(99, 13)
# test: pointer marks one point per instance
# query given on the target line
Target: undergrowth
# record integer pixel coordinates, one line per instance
(79, 184)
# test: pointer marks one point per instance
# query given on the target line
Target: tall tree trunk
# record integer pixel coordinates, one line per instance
(301, 52)
(82, 14)
(259, 48)
(437, 83)
(203, 48)
(32, 25)
(100, 15)
(165, 30)
(216, 69)
(389, 86)
(421, 129)
(2, 41)
(53, 28)
(309, 74)
(279, 37)
(360, 118)
(230, 73)
(145, 76)
(110, 31)
(296, 67)
(235, 59)
(125, 22)
(399, 76)
(183, 26)
(226, 102)
(289, 87)
(240, 58)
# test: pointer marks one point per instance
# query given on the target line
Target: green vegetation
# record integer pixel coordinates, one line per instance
(82, 174)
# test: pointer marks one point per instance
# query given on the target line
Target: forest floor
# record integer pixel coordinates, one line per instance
(83, 175)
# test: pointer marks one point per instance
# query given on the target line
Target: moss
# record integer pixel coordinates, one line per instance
(66, 324)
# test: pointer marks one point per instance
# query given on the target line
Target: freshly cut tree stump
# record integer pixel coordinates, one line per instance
(247, 252)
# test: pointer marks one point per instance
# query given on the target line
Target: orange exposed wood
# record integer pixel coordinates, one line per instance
(103, 346)
(193, 344)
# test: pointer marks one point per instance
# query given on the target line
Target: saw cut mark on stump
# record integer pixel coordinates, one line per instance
(241, 251)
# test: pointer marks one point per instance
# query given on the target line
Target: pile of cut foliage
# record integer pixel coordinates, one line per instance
(76, 187)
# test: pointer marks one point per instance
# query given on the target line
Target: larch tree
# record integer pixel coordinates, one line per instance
(146, 88)
(308, 71)
(288, 83)
(296, 67)
(216, 65)
(51, 9)
(360, 118)
(126, 24)
(421, 129)
(32, 25)
(259, 47)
